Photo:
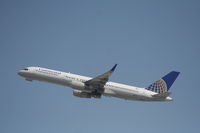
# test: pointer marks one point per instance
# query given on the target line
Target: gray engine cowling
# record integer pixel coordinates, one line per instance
(79, 93)
(78, 85)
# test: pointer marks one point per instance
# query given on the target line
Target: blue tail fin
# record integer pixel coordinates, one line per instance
(164, 84)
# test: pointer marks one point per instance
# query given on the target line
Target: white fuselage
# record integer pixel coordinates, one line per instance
(77, 82)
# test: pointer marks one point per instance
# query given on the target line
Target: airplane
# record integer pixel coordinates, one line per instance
(87, 87)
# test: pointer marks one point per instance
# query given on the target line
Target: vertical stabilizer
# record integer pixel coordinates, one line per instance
(164, 84)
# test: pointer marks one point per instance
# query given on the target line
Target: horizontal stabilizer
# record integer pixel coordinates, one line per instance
(162, 95)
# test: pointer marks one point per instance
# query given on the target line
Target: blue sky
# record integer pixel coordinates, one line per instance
(146, 38)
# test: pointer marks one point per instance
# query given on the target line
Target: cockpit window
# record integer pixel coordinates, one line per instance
(26, 69)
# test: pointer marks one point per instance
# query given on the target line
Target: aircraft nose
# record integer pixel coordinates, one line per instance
(20, 73)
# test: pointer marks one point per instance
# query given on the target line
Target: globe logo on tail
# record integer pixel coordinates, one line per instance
(159, 86)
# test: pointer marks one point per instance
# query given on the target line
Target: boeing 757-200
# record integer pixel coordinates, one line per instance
(86, 87)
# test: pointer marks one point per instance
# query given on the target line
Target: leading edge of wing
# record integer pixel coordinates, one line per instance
(101, 79)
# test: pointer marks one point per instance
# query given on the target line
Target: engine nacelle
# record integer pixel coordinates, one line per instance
(79, 93)
(78, 85)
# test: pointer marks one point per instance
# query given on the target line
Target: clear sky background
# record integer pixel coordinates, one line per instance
(146, 38)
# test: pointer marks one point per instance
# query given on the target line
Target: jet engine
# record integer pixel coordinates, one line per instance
(78, 85)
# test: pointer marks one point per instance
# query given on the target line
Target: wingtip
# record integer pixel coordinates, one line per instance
(113, 69)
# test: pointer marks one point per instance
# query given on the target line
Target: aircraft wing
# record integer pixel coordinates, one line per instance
(97, 83)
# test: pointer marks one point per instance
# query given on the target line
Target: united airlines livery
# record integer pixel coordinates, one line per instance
(86, 87)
